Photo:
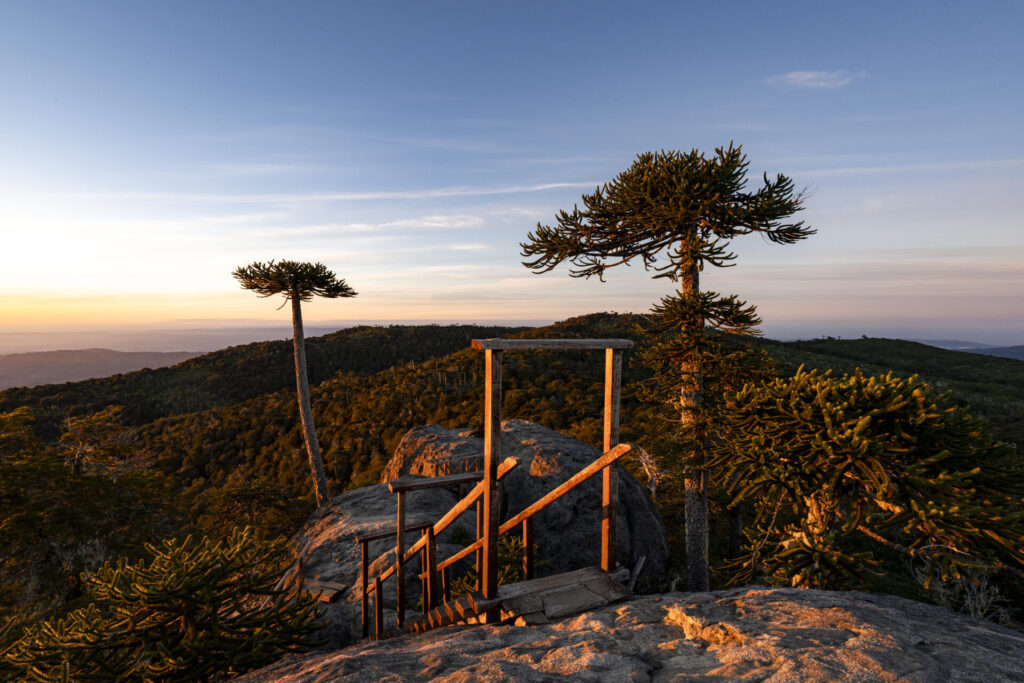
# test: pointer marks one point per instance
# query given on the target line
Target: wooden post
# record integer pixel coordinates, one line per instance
(492, 453)
(378, 608)
(423, 570)
(364, 567)
(446, 584)
(610, 476)
(479, 553)
(431, 569)
(528, 548)
(400, 552)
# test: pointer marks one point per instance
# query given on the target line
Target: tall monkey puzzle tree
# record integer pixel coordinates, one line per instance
(675, 212)
(298, 282)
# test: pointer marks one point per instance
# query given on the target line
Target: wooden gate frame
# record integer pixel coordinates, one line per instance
(493, 349)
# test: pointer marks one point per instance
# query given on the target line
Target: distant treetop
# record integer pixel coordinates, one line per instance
(294, 279)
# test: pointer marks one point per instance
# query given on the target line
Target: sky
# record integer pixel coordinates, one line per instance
(147, 149)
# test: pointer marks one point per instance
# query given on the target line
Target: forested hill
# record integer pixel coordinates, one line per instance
(215, 442)
(238, 373)
(360, 417)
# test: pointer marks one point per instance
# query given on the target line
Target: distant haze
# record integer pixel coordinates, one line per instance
(202, 339)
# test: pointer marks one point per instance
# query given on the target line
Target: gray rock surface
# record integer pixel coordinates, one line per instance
(751, 633)
(568, 532)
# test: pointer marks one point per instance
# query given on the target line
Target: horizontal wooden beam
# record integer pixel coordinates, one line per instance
(410, 484)
(563, 344)
(390, 531)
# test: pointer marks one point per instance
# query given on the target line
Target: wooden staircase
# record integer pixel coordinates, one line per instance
(529, 602)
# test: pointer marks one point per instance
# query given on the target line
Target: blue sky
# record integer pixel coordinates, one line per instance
(149, 148)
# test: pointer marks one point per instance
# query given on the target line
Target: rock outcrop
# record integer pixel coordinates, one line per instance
(568, 532)
(751, 633)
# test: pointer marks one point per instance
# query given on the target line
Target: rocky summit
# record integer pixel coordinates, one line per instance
(568, 532)
(751, 633)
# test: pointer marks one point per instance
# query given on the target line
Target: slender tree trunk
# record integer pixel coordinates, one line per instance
(694, 479)
(316, 461)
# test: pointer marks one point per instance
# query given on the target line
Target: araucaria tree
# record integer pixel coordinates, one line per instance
(674, 213)
(848, 473)
(298, 282)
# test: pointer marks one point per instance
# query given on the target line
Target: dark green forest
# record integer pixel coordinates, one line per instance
(216, 439)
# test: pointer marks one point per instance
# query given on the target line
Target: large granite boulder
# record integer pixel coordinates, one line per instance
(745, 634)
(568, 532)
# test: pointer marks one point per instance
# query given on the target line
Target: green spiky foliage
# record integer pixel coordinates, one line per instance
(850, 474)
(292, 279)
(56, 523)
(299, 282)
(195, 611)
(674, 213)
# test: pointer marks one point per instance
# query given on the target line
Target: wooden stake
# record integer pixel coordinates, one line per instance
(400, 553)
(528, 548)
(364, 567)
(423, 570)
(431, 569)
(378, 608)
(610, 476)
(492, 453)
(479, 553)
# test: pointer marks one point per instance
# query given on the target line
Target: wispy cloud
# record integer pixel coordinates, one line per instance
(260, 169)
(813, 80)
(437, 222)
(321, 197)
(471, 246)
(917, 168)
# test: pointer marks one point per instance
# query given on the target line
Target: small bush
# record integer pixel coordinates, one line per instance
(195, 610)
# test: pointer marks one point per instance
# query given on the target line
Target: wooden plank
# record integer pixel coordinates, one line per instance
(607, 588)
(400, 553)
(523, 604)
(492, 453)
(409, 484)
(572, 482)
(557, 344)
(546, 583)
(570, 600)
(531, 619)
(480, 603)
(327, 585)
(610, 476)
(390, 531)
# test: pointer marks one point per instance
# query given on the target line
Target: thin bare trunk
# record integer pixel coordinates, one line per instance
(316, 461)
(694, 478)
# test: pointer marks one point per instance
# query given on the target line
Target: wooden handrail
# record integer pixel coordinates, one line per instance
(553, 495)
(569, 484)
(390, 531)
(561, 344)
(434, 482)
(504, 468)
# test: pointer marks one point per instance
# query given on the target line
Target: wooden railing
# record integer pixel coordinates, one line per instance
(485, 493)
